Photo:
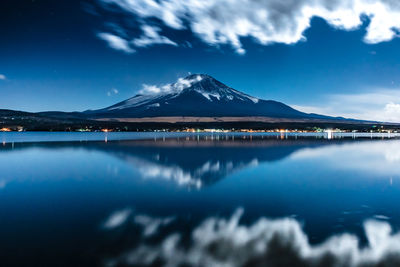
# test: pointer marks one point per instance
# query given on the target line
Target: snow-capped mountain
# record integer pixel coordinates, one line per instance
(197, 100)
(197, 95)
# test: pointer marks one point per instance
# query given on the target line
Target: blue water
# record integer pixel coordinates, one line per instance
(97, 203)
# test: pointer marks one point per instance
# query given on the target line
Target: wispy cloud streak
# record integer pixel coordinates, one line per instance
(116, 42)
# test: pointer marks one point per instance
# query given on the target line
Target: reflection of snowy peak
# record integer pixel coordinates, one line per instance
(196, 95)
(208, 173)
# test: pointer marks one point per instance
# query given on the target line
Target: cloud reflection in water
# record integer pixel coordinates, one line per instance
(279, 242)
(369, 156)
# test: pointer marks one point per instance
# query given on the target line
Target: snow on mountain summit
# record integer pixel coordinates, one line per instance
(212, 89)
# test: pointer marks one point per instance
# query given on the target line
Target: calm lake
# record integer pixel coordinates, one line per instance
(176, 199)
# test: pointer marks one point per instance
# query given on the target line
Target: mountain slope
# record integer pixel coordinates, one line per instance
(197, 95)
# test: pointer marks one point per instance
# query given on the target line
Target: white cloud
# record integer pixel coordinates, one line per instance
(392, 112)
(378, 105)
(150, 37)
(151, 224)
(279, 242)
(117, 219)
(113, 91)
(3, 77)
(116, 42)
(219, 22)
(176, 87)
(150, 89)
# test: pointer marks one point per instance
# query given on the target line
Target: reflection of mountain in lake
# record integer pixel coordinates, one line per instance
(196, 162)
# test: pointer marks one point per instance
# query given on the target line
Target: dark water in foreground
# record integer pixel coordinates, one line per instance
(262, 200)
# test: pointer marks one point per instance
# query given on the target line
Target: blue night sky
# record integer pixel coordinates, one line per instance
(78, 55)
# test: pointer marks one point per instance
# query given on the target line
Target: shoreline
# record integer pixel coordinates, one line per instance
(25, 137)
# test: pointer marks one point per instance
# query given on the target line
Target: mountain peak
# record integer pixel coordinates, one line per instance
(197, 95)
(212, 89)
(201, 87)
(198, 76)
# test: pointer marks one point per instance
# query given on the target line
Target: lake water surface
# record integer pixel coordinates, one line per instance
(175, 199)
